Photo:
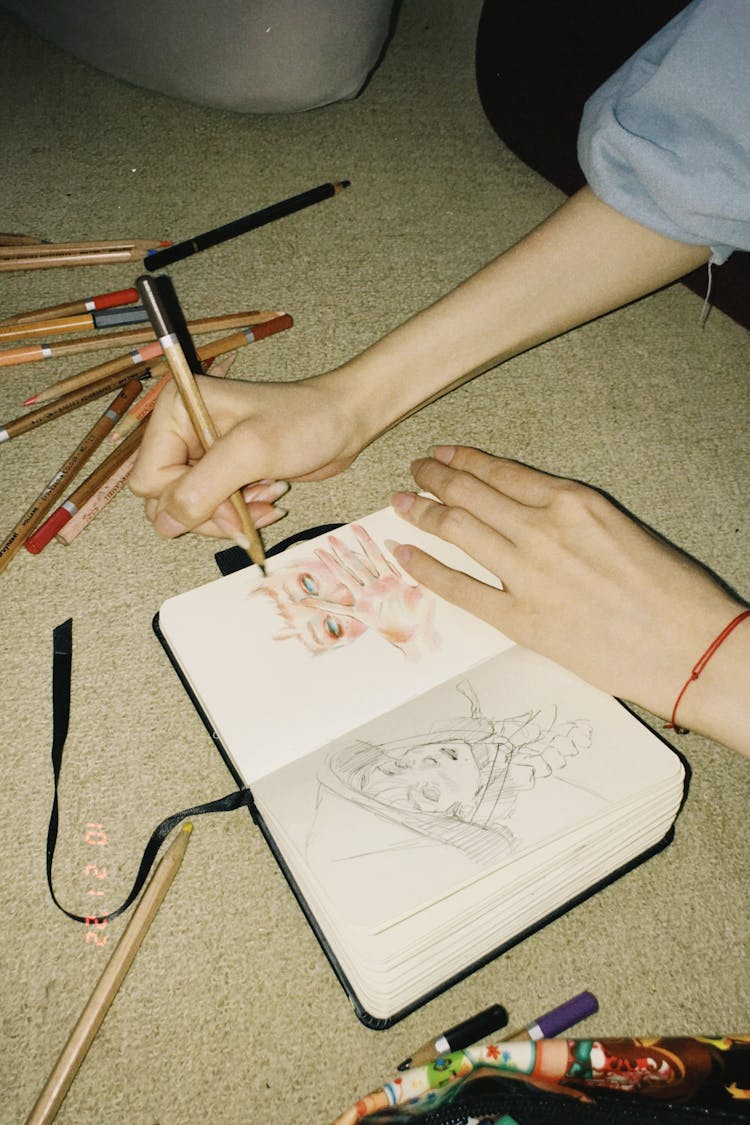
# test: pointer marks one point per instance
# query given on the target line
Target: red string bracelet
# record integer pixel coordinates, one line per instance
(701, 664)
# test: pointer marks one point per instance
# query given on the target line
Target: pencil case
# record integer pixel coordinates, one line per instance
(645, 1081)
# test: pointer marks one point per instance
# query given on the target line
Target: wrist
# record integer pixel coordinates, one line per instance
(713, 697)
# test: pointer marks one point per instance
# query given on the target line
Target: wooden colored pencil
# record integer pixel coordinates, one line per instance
(53, 410)
(98, 479)
(81, 322)
(153, 350)
(7, 239)
(90, 1020)
(69, 527)
(114, 299)
(156, 293)
(203, 325)
(48, 255)
(55, 488)
(91, 375)
(99, 246)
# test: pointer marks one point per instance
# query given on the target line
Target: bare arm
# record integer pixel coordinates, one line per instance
(584, 260)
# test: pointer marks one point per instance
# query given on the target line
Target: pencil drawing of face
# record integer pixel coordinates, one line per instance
(333, 597)
(461, 779)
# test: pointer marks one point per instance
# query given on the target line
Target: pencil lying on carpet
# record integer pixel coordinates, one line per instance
(180, 250)
(95, 303)
(88, 488)
(8, 239)
(160, 299)
(81, 322)
(56, 487)
(207, 352)
(153, 351)
(66, 403)
(47, 255)
(89, 1022)
(206, 324)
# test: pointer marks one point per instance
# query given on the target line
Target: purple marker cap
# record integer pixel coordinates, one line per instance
(559, 1019)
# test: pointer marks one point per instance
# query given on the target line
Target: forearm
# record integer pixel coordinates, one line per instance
(584, 260)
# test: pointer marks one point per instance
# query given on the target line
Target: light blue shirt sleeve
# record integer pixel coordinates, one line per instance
(666, 139)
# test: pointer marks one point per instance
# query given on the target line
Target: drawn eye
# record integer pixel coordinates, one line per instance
(333, 628)
(308, 584)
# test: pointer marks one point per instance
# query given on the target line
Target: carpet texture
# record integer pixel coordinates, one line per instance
(230, 1012)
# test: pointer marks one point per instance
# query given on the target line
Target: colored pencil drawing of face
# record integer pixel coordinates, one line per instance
(333, 597)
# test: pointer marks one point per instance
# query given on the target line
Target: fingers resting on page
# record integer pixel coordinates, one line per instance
(583, 582)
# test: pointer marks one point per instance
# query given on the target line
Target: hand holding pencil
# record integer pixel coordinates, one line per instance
(157, 295)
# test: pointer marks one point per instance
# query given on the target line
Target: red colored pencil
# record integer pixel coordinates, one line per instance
(89, 304)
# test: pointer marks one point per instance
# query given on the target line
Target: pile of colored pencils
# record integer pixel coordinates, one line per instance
(51, 515)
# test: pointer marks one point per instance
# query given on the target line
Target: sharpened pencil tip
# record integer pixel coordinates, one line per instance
(187, 827)
(404, 1065)
(30, 401)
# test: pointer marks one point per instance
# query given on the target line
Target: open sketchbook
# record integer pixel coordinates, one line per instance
(432, 791)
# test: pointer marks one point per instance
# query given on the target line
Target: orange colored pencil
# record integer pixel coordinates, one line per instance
(206, 324)
(101, 476)
(54, 489)
(98, 301)
(69, 402)
(47, 255)
(153, 350)
(81, 322)
(91, 508)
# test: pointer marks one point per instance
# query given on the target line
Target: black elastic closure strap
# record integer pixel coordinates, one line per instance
(62, 665)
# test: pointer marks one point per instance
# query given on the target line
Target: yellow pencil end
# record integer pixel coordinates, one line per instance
(187, 827)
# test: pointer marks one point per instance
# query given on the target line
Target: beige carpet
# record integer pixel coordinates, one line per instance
(231, 1012)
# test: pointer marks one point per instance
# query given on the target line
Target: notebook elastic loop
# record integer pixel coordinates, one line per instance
(62, 664)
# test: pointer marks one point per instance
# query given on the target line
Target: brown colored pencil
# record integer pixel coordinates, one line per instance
(72, 401)
(111, 300)
(7, 239)
(55, 488)
(70, 519)
(88, 488)
(153, 291)
(95, 374)
(73, 525)
(81, 322)
(206, 324)
(206, 352)
(90, 1020)
(48, 255)
(153, 350)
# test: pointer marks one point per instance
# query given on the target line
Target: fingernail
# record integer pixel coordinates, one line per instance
(273, 516)
(266, 490)
(444, 453)
(167, 526)
(401, 553)
(403, 501)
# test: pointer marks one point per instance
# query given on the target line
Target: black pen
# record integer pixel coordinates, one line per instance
(462, 1035)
